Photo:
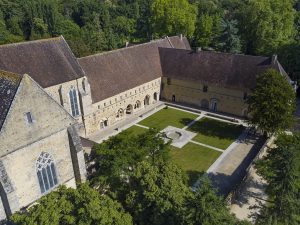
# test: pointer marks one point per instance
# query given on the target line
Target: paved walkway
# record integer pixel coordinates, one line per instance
(231, 167)
(251, 196)
(207, 146)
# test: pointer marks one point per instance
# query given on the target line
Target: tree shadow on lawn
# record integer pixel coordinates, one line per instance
(193, 176)
(214, 128)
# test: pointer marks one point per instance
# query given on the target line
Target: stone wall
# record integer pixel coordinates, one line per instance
(60, 93)
(228, 100)
(107, 110)
(47, 116)
(21, 166)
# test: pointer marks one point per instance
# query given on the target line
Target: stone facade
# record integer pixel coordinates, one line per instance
(38, 117)
(116, 108)
(208, 97)
(60, 93)
(24, 139)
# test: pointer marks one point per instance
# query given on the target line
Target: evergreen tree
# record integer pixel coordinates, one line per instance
(229, 40)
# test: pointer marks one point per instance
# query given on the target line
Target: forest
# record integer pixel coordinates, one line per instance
(261, 27)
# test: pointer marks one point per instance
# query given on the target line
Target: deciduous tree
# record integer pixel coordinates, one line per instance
(173, 17)
(272, 103)
(83, 205)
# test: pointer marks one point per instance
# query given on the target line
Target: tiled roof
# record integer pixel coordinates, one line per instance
(220, 69)
(9, 83)
(116, 71)
(49, 62)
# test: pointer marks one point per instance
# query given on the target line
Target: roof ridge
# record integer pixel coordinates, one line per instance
(2, 72)
(130, 47)
(217, 52)
(32, 41)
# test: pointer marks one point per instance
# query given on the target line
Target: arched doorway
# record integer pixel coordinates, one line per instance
(173, 98)
(129, 109)
(204, 104)
(120, 114)
(155, 96)
(103, 123)
(214, 105)
(137, 104)
(147, 100)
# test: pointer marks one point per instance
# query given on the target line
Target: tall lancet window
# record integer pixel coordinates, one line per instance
(46, 172)
(74, 102)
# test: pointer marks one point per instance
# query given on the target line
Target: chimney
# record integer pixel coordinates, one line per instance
(127, 44)
(274, 59)
(181, 36)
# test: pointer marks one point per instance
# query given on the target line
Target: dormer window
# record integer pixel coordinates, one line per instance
(205, 88)
(29, 118)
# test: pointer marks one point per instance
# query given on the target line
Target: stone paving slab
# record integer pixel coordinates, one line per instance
(232, 168)
(183, 139)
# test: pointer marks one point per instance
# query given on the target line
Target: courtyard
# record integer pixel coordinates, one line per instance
(198, 140)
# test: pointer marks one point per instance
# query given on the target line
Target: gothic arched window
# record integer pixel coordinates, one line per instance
(74, 102)
(46, 172)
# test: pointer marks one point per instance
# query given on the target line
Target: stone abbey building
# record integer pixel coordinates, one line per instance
(49, 99)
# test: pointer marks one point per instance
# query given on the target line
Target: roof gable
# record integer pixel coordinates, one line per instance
(49, 62)
(48, 117)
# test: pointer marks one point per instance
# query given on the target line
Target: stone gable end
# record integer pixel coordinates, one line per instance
(47, 116)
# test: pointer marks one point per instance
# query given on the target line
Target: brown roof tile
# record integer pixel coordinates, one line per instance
(116, 71)
(9, 83)
(220, 69)
(49, 62)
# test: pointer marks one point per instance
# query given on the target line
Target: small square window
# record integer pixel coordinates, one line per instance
(205, 88)
(245, 95)
(29, 117)
(104, 104)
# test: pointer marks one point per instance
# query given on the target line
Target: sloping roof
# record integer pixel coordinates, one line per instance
(116, 71)
(9, 83)
(49, 62)
(220, 69)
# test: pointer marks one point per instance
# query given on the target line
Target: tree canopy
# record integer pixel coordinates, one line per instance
(262, 27)
(281, 169)
(173, 17)
(272, 103)
(81, 206)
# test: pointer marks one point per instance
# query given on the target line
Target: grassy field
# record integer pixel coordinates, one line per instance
(194, 159)
(215, 133)
(168, 117)
(136, 130)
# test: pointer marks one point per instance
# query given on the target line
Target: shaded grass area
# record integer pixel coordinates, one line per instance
(136, 130)
(194, 159)
(168, 117)
(215, 133)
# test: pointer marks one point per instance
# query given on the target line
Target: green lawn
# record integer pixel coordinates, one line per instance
(215, 133)
(136, 130)
(194, 159)
(168, 117)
